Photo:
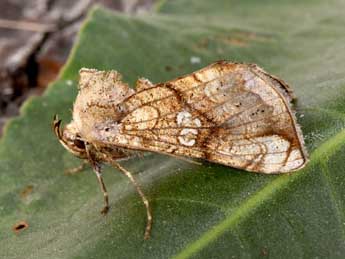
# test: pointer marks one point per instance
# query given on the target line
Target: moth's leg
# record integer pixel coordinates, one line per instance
(142, 195)
(97, 169)
(77, 169)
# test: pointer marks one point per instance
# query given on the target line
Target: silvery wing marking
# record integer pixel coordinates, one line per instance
(228, 113)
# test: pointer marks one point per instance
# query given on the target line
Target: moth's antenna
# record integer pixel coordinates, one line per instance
(56, 128)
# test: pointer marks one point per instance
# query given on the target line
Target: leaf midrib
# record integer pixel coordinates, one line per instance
(333, 196)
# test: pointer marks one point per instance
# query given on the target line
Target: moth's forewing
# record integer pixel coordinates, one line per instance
(228, 113)
(233, 114)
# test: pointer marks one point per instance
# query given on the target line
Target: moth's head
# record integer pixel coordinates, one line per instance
(69, 137)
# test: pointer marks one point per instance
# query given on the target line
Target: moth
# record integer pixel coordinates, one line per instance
(233, 114)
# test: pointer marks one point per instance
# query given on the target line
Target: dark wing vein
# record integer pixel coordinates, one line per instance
(213, 107)
(181, 92)
(210, 127)
(202, 150)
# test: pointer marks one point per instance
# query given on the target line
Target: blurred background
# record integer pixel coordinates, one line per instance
(36, 37)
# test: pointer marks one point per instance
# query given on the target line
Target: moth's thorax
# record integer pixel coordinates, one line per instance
(98, 108)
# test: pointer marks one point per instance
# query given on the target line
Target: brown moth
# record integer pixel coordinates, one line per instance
(228, 113)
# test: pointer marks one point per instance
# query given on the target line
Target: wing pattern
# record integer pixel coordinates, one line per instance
(228, 113)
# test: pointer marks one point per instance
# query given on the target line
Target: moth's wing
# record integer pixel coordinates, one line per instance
(233, 114)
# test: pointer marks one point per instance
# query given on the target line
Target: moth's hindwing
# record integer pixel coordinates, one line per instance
(228, 113)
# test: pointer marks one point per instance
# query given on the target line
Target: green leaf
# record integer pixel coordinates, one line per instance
(208, 211)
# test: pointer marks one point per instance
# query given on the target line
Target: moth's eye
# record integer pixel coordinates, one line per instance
(79, 143)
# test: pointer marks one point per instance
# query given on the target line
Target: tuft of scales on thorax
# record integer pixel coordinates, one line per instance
(97, 107)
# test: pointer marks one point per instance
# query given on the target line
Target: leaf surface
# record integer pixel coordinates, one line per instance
(207, 211)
